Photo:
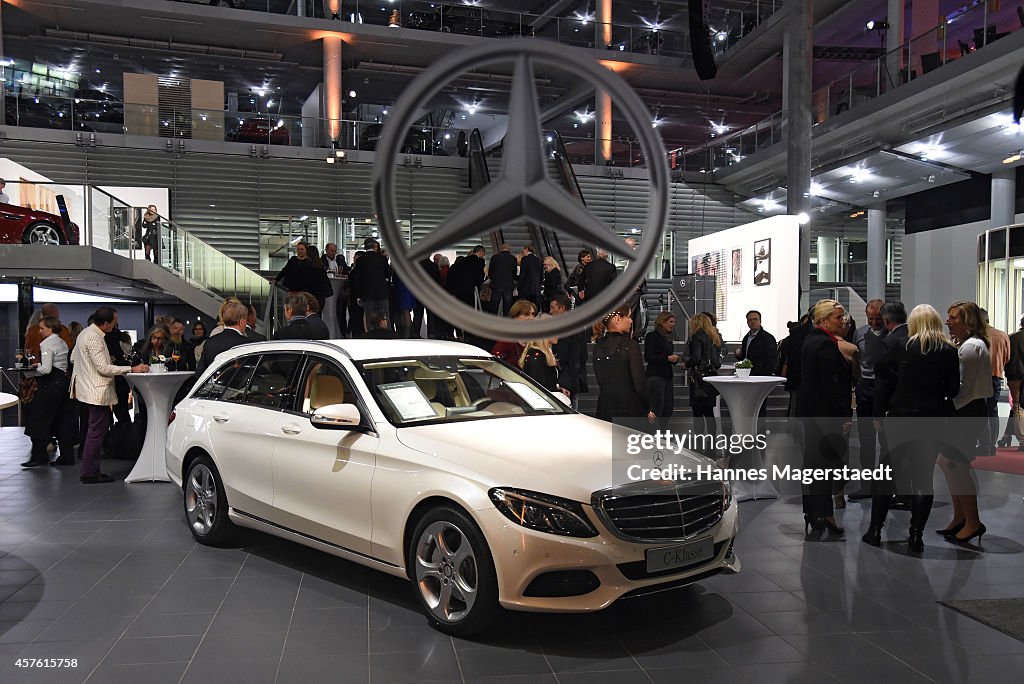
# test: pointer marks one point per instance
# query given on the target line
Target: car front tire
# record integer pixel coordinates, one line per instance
(42, 233)
(453, 572)
(206, 506)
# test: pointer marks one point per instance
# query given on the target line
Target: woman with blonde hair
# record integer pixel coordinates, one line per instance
(660, 355)
(704, 359)
(824, 402)
(916, 407)
(619, 368)
(552, 280)
(969, 420)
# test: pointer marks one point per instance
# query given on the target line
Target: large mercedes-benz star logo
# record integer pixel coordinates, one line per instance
(522, 189)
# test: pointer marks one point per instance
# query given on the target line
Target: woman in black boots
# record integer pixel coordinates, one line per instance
(927, 374)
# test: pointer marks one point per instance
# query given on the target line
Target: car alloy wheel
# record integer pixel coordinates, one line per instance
(205, 504)
(43, 234)
(453, 572)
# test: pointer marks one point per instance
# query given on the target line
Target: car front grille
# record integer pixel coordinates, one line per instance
(660, 512)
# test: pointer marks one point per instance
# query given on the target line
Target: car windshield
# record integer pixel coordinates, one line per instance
(449, 389)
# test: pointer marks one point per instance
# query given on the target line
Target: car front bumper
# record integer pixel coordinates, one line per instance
(521, 555)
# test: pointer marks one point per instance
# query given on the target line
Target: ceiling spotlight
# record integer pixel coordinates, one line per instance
(351, 93)
(1015, 157)
(330, 160)
(877, 25)
(721, 36)
(802, 218)
(875, 194)
(384, 111)
(719, 128)
(339, 154)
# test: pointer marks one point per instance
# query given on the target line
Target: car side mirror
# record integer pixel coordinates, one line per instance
(336, 416)
(562, 398)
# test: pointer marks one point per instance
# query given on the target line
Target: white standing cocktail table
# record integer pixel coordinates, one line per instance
(8, 400)
(744, 397)
(157, 390)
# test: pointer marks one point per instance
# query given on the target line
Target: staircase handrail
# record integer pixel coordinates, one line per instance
(478, 164)
(181, 269)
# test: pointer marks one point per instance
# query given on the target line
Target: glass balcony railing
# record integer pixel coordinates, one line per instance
(116, 227)
(103, 221)
(960, 35)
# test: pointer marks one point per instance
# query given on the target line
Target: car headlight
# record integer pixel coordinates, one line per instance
(542, 512)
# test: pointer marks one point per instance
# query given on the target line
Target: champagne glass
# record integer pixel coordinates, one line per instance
(175, 356)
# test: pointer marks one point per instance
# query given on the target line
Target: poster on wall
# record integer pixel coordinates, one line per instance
(763, 262)
(737, 267)
(713, 264)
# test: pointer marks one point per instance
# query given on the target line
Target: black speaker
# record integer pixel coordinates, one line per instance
(700, 41)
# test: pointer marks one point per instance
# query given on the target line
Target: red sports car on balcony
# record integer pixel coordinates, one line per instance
(33, 227)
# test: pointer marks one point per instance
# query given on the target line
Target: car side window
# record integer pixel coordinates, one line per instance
(228, 383)
(273, 382)
(325, 383)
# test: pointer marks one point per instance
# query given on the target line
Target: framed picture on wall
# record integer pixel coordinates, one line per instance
(737, 267)
(763, 262)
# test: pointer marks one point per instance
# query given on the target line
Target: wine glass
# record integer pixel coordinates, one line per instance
(175, 356)
(18, 355)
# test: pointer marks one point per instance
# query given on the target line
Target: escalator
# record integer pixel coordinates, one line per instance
(546, 242)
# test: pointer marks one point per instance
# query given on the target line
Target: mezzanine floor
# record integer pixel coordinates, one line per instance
(110, 576)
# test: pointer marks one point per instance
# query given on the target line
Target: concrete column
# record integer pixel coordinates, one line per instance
(603, 116)
(1004, 190)
(148, 319)
(893, 40)
(797, 122)
(876, 253)
(332, 85)
(604, 23)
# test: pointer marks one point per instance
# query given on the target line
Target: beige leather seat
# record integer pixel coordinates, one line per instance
(325, 390)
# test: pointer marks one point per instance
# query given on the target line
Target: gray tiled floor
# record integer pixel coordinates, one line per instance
(110, 576)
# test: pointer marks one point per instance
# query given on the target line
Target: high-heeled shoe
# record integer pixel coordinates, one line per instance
(916, 541)
(873, 536)
(1005, 441)
(813, 523)
(832, 527)
(977, 533)
(951, 531)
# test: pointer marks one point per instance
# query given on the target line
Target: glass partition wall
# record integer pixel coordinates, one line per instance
(1001, 275)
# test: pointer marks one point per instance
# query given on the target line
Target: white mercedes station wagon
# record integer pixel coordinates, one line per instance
(439, 463)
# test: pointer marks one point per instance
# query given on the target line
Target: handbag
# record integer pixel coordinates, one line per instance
(27, 390)
(695, 377)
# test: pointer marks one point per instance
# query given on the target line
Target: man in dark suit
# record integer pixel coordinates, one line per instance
(502, 272)
(759, 346)
(234, 315)
(467, 275)
(317, 327)
(569, 350)
(418, 310)
(370, 280)
(894, 317)
(531, 273)
(250, 327)
(298, 328)
(597, 275)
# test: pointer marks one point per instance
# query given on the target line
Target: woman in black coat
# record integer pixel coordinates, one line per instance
(619, 368)
(552, 281)
(824, 402)
(705, 357)
(660, 357)
(927, 377)
(302, 273)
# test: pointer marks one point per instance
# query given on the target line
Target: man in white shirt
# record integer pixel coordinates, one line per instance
(92, 383)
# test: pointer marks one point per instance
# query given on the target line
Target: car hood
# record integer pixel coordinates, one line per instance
(562, 455)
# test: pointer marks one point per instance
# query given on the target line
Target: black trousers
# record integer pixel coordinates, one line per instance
(866, 434)
(824, 447)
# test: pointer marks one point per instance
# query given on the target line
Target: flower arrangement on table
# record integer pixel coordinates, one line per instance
(157, 363)
(743, 368)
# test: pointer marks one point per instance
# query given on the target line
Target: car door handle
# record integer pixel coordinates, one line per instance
(220, 419)
(290, 429)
